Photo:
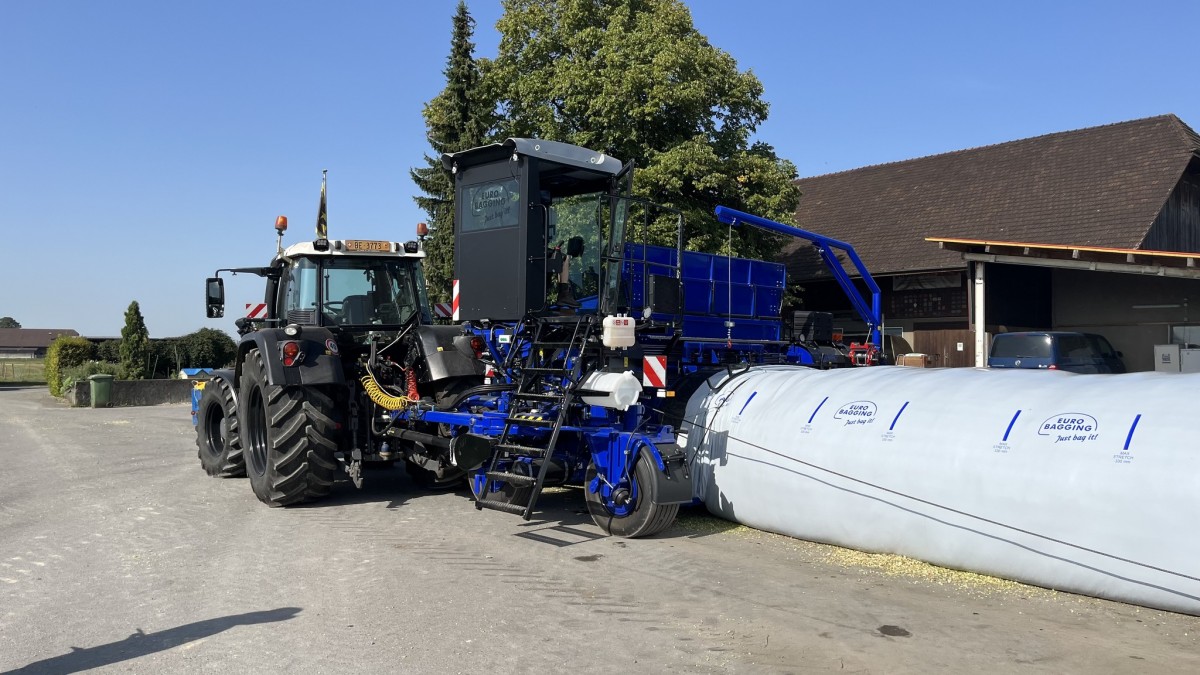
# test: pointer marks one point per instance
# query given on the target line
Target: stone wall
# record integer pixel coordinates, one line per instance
(135, 392)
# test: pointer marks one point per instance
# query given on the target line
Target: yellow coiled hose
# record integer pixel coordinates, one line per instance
(380, 397)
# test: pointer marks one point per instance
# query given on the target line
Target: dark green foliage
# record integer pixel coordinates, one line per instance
(64, 353)
(135, 344)
(456, 119)
(635, 79)
(109, 350)
(8, 322)
(207, 348)
(164, 359)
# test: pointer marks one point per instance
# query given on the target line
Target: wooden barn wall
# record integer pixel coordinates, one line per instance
(947, 348)
(1177, 227)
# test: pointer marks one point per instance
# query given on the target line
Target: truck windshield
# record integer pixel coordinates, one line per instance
(372, 291)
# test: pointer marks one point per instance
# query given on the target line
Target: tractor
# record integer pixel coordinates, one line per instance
(581, 327)
(345, 335)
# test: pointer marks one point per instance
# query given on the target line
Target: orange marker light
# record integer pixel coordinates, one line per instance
(281, 224)
(422, 229)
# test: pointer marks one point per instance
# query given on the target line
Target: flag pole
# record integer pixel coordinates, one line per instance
(322, 214)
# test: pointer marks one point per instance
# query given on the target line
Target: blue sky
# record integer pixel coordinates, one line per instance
(145, 144)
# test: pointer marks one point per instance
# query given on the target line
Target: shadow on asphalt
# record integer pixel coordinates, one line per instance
(389, 485)
(141, 644)
(560, 519)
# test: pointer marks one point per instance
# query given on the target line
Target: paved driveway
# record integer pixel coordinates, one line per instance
(117, 552)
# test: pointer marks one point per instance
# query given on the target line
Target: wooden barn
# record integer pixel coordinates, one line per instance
(1094, 230)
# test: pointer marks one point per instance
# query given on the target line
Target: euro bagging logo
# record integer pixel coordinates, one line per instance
(857, 412)
(1070, 427)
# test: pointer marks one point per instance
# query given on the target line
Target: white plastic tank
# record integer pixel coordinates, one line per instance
(619, 331)
(1083, 483)
(621, 390)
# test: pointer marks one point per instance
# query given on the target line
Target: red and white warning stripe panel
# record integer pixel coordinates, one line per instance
(443, 309)
(454, 302)
(256, 310)
(654, 371)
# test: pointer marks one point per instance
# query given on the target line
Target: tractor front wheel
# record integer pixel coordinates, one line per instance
(218, 445)
(288, 437)
(627, 508)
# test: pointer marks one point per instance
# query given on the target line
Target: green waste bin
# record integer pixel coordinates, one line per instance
(101, 390)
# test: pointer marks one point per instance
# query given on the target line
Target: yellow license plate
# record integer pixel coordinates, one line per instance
(364, 245)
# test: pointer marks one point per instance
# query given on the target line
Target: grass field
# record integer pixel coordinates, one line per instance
(22, 370)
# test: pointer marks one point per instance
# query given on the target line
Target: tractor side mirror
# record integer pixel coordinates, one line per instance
(214, 297)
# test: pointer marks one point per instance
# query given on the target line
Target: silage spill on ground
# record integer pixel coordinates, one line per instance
(701, 523)
(922, 572)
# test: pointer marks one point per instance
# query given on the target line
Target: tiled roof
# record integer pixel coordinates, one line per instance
(26, 338)
(1101, 186)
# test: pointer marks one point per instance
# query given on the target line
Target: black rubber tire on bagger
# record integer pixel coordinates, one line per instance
(287, 437)
(218, 444)
(647, 518)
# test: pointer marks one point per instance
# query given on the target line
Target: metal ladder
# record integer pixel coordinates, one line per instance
(538, 372)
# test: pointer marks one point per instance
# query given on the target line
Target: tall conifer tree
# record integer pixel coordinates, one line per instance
(456, 119)
(135, 344)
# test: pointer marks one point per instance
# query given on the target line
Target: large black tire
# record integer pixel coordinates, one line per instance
(218, 443)
(644, 518)
(288, 437)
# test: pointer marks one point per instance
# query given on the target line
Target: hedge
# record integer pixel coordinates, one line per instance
(65, 352)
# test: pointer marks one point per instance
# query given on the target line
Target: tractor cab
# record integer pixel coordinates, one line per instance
(355, 285)
(540, 229)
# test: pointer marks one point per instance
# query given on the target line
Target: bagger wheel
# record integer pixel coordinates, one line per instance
(627, 509)
(288, 437)
(217, 440)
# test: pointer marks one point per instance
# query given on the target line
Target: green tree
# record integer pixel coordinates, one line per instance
(635, 79)
(456, 119)
(135, 344)
(207, 348)
(8, 322)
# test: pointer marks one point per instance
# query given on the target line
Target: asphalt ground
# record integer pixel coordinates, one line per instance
(118, 553)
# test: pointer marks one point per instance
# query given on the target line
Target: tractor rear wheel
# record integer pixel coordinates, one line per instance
(217, 440)
(287, 436)
(627, 509)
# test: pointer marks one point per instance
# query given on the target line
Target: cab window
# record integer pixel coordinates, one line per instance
(300, 297)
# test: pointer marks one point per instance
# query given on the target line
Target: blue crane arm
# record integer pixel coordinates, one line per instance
(872, 315)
